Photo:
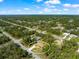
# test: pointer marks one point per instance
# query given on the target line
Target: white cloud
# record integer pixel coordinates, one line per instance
(65, 9)
(39, 0)
(71, 5)
(52, 6)
(1, 0)
(40, 12)
(56, 10)
(18, 10)
(46, 9)
(75, 5)
(26, 9)
(2, 12)
(38, 7)
(67, 5)
(78, 11)
(53, 2)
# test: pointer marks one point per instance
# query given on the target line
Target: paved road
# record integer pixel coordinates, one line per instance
(17, 41)
(38, 31)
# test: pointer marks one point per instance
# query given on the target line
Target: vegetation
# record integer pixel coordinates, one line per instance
(31, 30)
(12, 51)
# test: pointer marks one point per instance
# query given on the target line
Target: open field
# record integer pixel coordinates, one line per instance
(39, 37)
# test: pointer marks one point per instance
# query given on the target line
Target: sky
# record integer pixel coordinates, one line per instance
(14, 7)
